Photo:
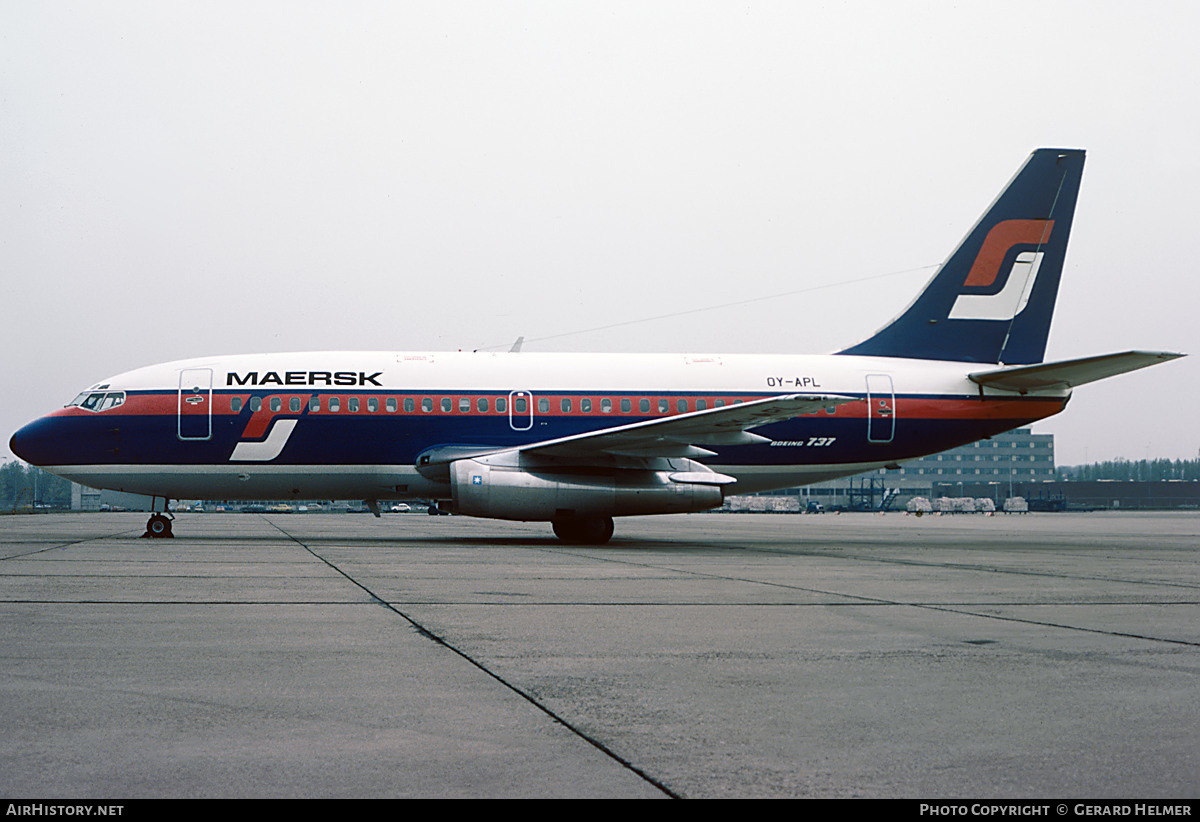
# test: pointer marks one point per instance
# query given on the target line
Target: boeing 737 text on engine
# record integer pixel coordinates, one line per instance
(579, 439)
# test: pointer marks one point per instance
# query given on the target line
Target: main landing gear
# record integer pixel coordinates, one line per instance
(159, 527)
(585, 530)
(159, 524)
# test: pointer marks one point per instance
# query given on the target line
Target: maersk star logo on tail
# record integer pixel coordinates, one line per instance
(1012, 298)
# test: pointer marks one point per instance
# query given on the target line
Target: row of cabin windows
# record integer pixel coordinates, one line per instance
(482, 405)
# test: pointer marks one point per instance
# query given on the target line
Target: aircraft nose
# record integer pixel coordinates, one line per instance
(31, 442)
(16, 444)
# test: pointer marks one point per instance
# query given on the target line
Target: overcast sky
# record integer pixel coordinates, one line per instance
(189, 179)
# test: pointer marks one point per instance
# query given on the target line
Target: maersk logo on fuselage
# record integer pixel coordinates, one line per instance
(303, 378)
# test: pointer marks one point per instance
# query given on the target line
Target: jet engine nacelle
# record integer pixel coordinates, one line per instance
(481, 489)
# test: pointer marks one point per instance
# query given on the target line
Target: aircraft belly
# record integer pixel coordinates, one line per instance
(258, 482)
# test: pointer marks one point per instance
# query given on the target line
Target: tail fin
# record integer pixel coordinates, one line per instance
(992, 300)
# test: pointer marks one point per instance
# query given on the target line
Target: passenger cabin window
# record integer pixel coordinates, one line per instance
(543, 406)
(409, 405)
(276, 403)
(391, 405)
(585, 405)
(426, 404)
(663, 406)
(644, 406)
(501, 404)
(520, 405)
(681, 406)
(625, 406)
(464, 405)
(235, 404)
(335, 404)
(314, 404)
(256, 404)
(352, 405)
(606, 406)
(565, 405)
(294, 405)
(482, 405)
(372, 404)
(446, 405)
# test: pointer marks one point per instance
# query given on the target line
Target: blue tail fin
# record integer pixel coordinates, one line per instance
(992, 300)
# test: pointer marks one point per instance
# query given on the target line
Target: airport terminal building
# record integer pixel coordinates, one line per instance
(999, 464)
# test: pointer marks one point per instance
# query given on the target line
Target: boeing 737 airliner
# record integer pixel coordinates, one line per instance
(579, 439)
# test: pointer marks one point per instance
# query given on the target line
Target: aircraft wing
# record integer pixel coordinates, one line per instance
(685, 435)
(1069, 373)
(681, 435)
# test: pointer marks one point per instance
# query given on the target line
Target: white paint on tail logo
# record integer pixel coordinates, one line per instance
(268, 449)
(1010, 300)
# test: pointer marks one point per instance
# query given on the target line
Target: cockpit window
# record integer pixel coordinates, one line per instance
(98, 400)
(111, 400)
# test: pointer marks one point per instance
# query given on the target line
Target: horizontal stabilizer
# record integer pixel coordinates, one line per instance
(1069, 373)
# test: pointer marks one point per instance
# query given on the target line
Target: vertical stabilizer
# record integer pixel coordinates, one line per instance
(992, 299)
